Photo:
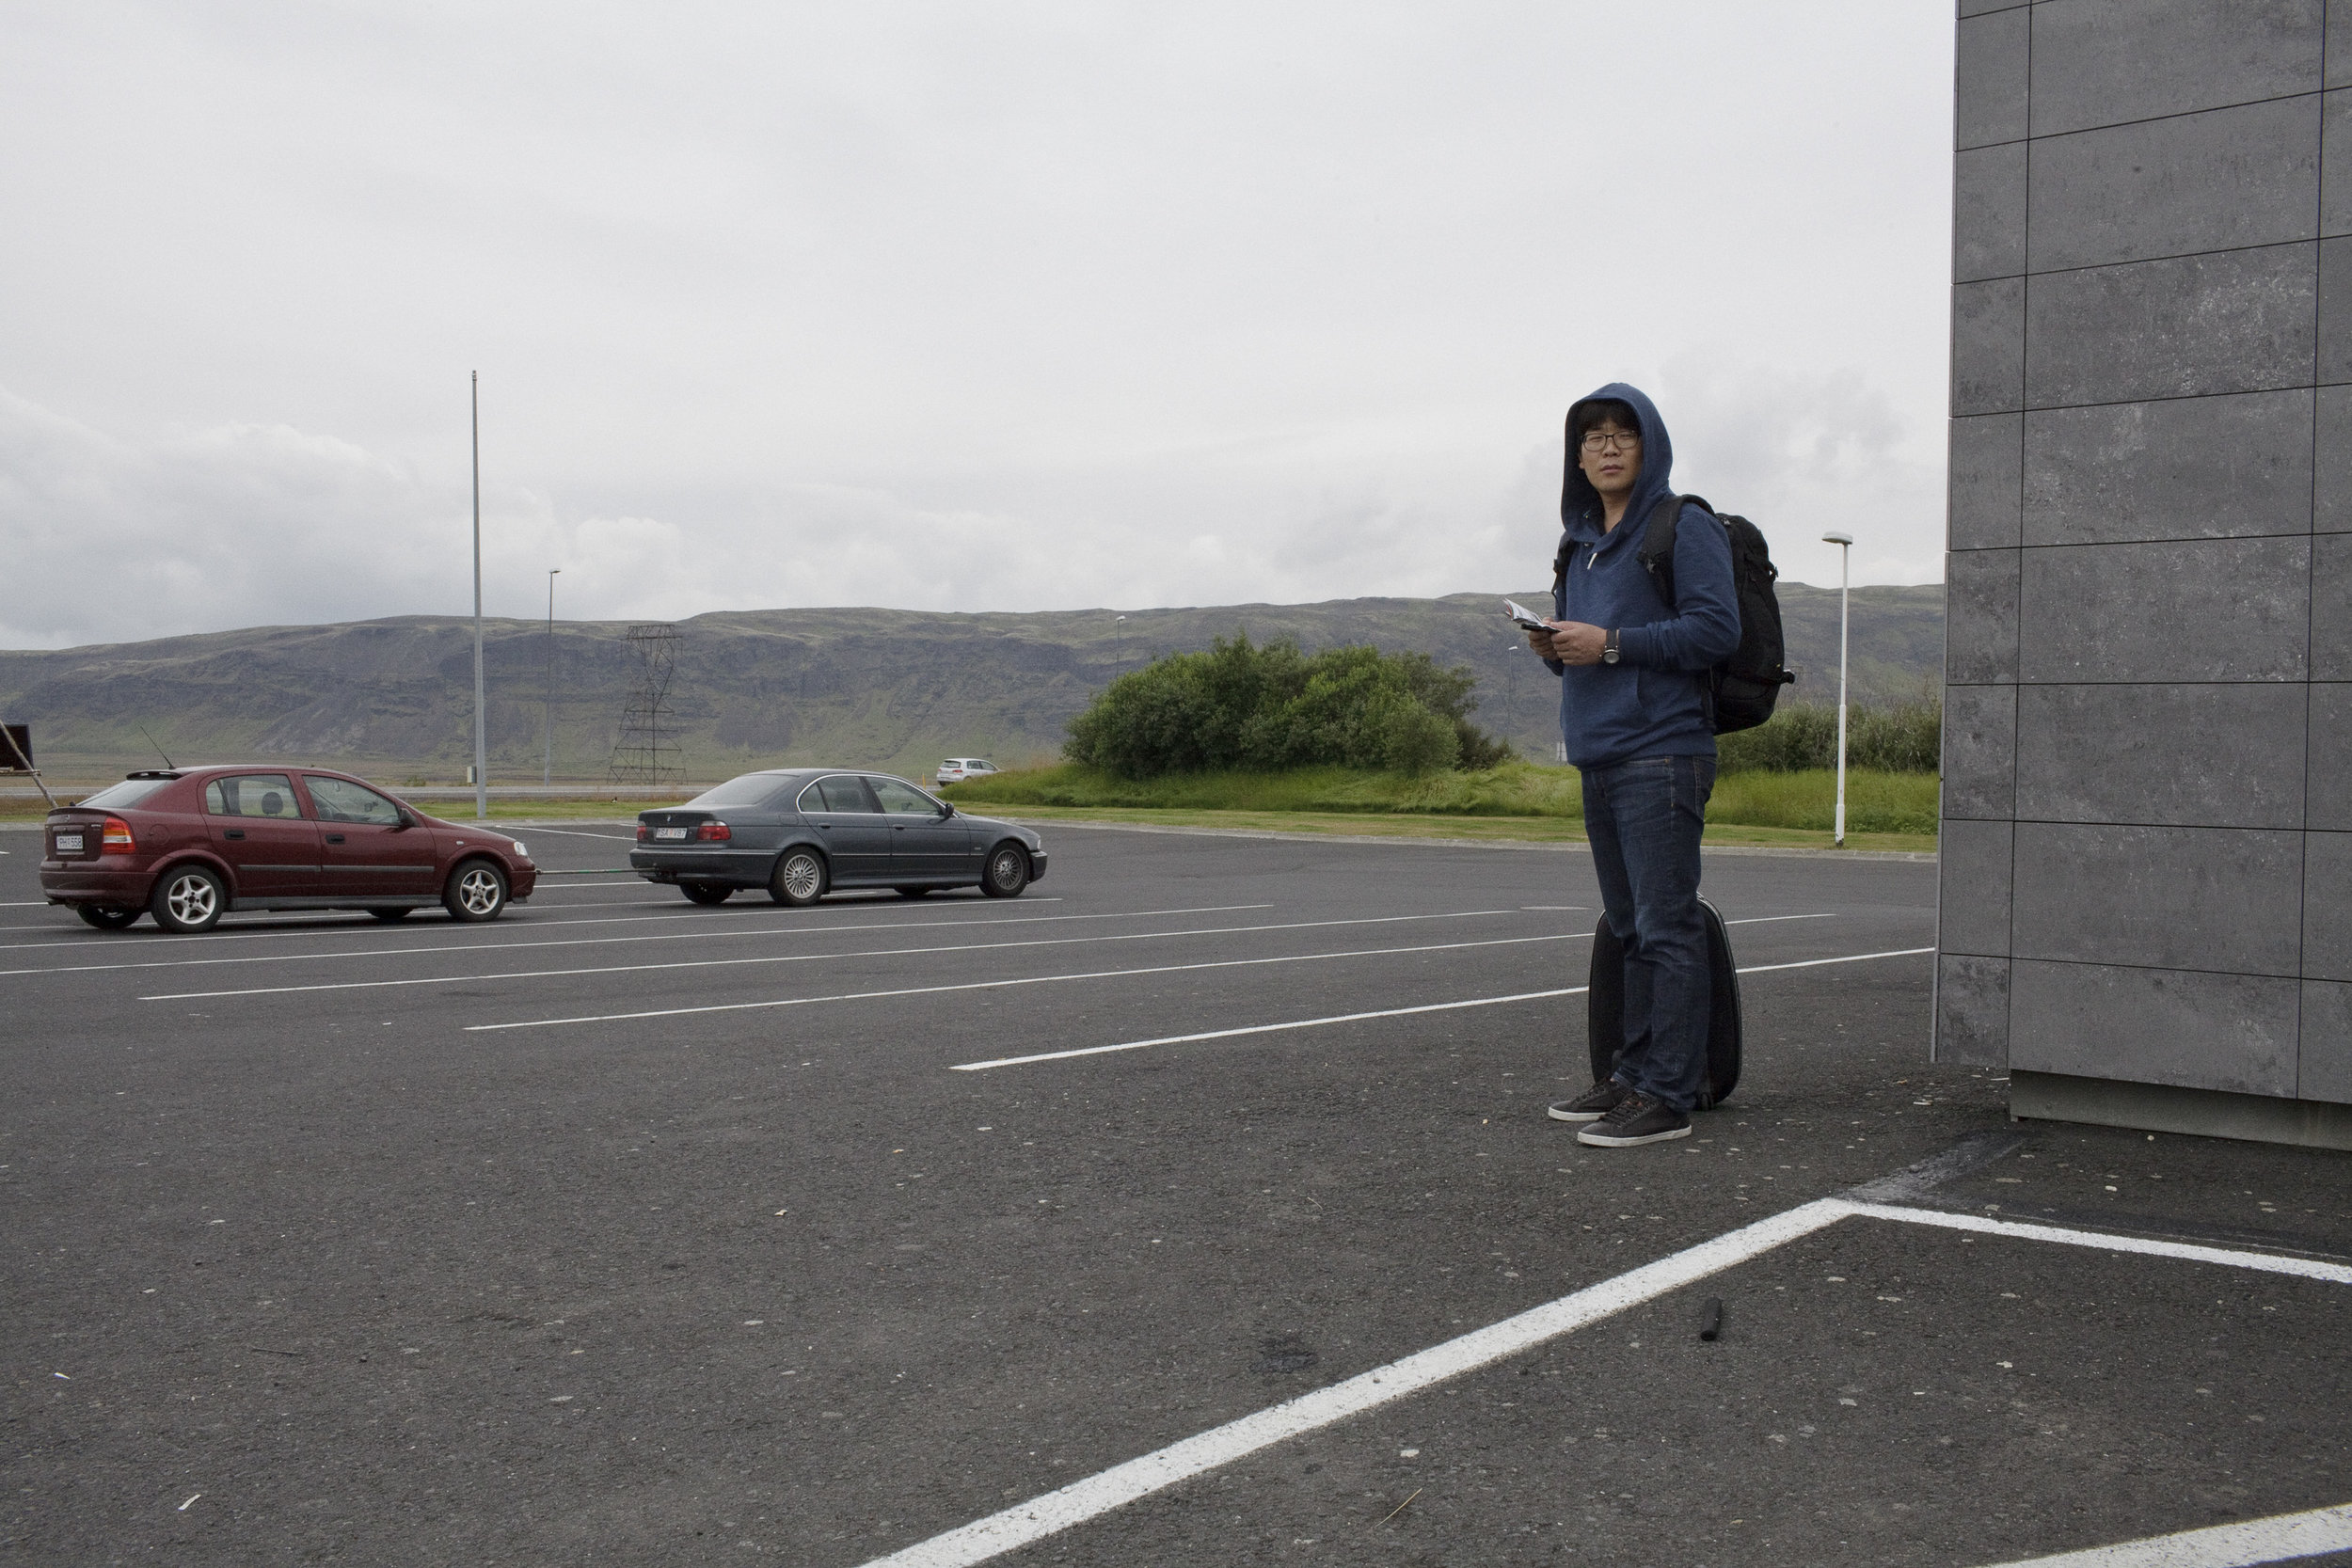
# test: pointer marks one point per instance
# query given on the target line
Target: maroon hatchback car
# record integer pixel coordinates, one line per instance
(189, 844)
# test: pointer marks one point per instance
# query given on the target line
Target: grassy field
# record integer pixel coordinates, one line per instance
(1893, 804)
(1518, 802)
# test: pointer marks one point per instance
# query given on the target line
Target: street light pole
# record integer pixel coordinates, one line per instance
(547, 774)
(1845, 553)
(480, 723)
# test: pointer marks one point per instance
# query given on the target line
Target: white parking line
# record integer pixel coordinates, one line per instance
(1018, 980)
(698, 932)
(1389, 1012)
(261, 925)
(1137, 1478)
(1082, 1501)
(812, 957)
(2281, 1538)
(2266, 1262)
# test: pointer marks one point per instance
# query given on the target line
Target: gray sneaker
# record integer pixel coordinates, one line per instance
(1593, 1104)
(1636, 1119)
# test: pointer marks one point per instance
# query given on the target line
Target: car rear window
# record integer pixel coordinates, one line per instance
(252, 795)
(752, 789)
(130, 792)
(837, 794)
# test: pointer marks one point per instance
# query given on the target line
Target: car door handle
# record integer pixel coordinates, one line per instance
(232, 833)
(334, 838)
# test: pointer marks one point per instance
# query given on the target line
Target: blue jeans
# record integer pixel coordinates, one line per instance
(1645, 818)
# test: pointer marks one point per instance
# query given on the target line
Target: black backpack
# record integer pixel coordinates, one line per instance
(1743, 687)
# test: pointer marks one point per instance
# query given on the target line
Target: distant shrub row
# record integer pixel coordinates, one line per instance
(1906, 738)
(1238, 705)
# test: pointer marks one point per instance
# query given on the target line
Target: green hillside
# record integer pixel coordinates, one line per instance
(873, 688)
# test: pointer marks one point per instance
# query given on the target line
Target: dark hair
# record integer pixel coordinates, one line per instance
(1593, 412)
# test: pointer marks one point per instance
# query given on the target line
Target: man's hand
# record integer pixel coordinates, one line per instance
(1569, 642)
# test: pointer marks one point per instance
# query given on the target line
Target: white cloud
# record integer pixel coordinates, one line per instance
(979, 309)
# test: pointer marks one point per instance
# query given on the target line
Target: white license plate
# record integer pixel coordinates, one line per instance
(68, 844)
(669, 832)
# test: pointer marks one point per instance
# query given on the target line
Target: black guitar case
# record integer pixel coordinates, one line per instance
(1605, 1009)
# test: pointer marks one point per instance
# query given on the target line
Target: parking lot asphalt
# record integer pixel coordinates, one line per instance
(626, 1230)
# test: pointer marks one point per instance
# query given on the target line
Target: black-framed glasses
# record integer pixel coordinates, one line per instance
(1600, 440)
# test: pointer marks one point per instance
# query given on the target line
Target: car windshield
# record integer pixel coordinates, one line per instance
(130, 792)
(752, 789)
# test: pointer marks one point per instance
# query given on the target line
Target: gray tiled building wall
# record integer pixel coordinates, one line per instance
(2147, 836)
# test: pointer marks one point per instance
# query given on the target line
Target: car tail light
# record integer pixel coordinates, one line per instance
(711, 832)
(644, 833)
(115, 838)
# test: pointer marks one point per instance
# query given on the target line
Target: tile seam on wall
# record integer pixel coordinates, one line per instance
(2310, 593)
(2153, 397)
(2158, 120)
(2151, 539)
(2025, 359)
(2149, 969)
(2151, 261)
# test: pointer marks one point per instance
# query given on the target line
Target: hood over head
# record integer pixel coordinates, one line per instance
(1580, 503)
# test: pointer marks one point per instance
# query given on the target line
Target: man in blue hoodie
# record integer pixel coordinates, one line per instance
(1635, 711)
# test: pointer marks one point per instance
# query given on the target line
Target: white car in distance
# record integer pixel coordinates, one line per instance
(957, 769)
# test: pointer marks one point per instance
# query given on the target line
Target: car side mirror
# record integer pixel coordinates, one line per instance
(946, 809)
(406, 821)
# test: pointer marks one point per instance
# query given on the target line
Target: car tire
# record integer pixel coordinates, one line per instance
(912, 892)
(105, 919)
(801, 879)
(390, 915)
(476, 891)
(188, 899)
(1008, 872)
(706, 893)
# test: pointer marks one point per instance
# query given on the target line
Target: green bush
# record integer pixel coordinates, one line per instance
(1237, 705)
(1515, 789)
(1905, 738)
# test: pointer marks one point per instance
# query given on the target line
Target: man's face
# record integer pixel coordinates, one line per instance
(1611, 457)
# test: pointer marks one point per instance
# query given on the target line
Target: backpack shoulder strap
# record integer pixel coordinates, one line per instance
(1656, 551)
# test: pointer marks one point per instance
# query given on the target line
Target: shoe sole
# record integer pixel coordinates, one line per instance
(1606, 1140)
(1558, 1115)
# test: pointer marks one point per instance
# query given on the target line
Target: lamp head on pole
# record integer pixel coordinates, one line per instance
(1837, 538)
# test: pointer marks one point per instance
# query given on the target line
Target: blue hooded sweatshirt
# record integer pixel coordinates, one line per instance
(1654, 701)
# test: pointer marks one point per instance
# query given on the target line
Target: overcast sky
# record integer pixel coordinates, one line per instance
(939, 306)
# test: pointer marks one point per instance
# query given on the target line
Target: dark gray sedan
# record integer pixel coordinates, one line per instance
(803, 832)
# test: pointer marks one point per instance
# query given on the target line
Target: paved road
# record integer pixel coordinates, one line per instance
(333, 1240)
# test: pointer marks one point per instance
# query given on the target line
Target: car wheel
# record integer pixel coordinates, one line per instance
(105, 920)
(1008, 872)
(910, 892)
(800, 879)
(706, 893)
(476, 891)
(389, 915)
(188, 899)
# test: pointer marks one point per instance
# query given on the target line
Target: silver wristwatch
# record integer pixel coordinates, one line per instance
(1609, 649)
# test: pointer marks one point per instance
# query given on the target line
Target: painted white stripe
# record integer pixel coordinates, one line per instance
(294, 924)
(818, 957)
(1391, 1012)
(1266, 1028)
(2268, 1262)
(1122, 1485)
(1019, 980)
(2281, 1538)
(698, 930)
